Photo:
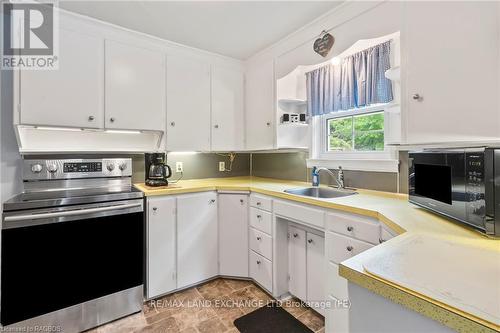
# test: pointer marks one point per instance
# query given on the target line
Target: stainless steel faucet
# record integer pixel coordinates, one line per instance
(339, 178)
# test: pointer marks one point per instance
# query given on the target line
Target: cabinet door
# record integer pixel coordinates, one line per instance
(71, 95)
(135, 88)
(316, 292)
(259, 100)
(452, 50)
(188, 104)
(297, 282)
(197, 255)
(160, 246)
(233, 235)
(227, 109)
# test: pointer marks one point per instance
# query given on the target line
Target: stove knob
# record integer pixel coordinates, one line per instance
(52, 168)
(36, 168)
(122, 166)
(110, 167)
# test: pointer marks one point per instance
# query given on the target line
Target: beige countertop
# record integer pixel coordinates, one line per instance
(396, 212)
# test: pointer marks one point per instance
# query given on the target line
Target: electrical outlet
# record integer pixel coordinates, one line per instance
(222, 166)
(179, 167)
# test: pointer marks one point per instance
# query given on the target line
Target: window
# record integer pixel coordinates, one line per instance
(356, 132)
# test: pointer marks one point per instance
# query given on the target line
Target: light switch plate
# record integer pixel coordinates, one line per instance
(179, 167)
(222, 166)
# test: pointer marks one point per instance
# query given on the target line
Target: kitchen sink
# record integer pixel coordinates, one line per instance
(321, 192)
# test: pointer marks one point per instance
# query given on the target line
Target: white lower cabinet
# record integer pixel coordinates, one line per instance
(160, 277)
(306, 267)
(197, 250)
(297, 277)
(233, 235)
(315, 270)
(261, 270)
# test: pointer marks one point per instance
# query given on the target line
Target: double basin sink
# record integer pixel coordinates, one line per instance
(321, 192)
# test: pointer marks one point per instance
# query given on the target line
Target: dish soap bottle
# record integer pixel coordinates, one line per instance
(315, 176)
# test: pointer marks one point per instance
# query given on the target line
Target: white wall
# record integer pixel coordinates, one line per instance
(347, 23)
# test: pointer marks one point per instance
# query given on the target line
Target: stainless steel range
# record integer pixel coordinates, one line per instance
(72, 245)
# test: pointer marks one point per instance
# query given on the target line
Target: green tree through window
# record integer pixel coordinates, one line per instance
(360, 133)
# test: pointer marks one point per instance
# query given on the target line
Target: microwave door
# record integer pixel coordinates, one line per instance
(437, 182)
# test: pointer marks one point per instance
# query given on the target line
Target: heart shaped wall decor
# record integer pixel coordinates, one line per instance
(323, 44)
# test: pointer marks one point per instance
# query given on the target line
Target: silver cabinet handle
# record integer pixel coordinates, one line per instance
(349, 248)
(295, 235)
(259, 238)
(258, 262)
(349, 228)
(68, 213)
(380, 240)
(216, 126)
(91, 118)
(258, 203)
(155, 209)
(112, 119)
(268, 123)
(172, 123)
(259, 216)
(211, 201)
(242, 201)
(416, 97)
(310, 241)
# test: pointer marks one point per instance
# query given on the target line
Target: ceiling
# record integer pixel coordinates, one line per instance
(237, 29)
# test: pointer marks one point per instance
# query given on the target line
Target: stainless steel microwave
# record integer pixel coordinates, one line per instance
(463, 184)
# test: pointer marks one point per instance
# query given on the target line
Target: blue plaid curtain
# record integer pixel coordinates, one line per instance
(357, 81)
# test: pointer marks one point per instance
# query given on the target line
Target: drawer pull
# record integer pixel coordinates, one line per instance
(310, 241)
(380, 240)
(349, 248)
(259, 216)
(295, 235)
(242, 201)
(258, 262)
(155, 209)
(259, 238)
(258, 203)
(349, 228)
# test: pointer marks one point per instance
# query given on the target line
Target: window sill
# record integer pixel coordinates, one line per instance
(373, 165)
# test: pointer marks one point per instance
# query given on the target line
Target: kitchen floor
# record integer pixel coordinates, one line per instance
(209, 308)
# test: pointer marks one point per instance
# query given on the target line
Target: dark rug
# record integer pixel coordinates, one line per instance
(270, 319)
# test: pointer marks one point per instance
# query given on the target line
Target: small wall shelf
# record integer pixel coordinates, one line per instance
(294, 124)
(292, 101)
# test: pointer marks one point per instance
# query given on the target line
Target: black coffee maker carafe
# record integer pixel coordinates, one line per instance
(157, 171)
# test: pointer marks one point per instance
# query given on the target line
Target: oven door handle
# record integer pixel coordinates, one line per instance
(75, 212)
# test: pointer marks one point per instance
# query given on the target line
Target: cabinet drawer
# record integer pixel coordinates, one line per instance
(336, 284)
(261, 243)
(261, 270)
(260, 201)
(301, 213)
(340, 247)
(355, 226)
(260, 220)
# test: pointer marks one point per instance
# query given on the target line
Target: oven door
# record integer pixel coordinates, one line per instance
(437, 182)
(56, 258)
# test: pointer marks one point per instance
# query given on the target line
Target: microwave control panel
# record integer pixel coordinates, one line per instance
(475, 186)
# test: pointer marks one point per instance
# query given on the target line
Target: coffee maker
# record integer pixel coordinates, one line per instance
(157, 171)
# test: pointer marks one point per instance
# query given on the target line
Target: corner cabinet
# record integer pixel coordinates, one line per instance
(228, 127)
(135, 87)
(451, 78)
(73, 95)
(188, 104)
(197, 238)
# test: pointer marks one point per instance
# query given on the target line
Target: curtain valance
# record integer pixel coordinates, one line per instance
(356, 82)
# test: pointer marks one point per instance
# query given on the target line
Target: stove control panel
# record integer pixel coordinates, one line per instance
(76, 168)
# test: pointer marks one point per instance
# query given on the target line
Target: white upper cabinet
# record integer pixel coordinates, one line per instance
(451, 71)
(135, 87)
(188, 104)
(72, 95)
(259, 106)
(228, 128)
